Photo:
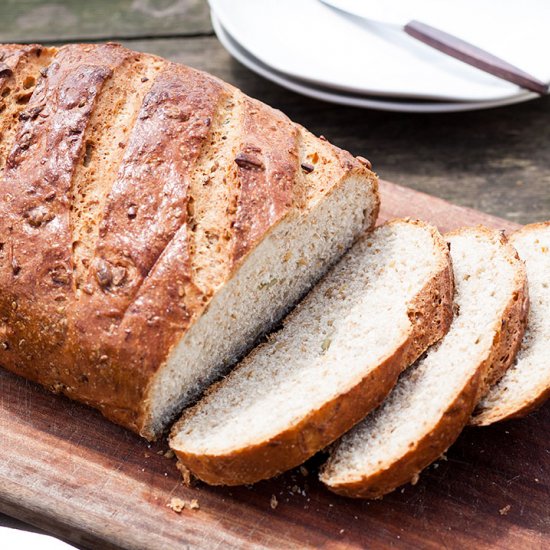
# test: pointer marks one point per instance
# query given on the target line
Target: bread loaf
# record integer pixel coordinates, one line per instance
(153, 222)
(337, 356)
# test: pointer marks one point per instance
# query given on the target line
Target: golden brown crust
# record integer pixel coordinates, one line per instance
(528, 407)
(267, 166)
(11, 55)
(36, 288)
(532, 227)
(507, 339)
(20, 67)
(139, 287)
(424, 452)
(430, 314)
(101, 339)
(456, 415)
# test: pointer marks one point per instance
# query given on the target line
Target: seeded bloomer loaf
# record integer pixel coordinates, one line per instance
(154, 221)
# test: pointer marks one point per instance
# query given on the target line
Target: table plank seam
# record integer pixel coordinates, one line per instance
(118, 38)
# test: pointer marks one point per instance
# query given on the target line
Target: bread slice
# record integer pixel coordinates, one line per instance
(336, 357)
(154, 221)
(526, 384)
(434, 398)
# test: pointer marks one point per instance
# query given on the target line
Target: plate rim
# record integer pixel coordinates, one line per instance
(218, 7)
(247, 59)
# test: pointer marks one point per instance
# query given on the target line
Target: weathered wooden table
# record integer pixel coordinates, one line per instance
(497, 161)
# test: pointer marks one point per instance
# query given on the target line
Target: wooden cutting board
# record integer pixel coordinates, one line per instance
(66, 469)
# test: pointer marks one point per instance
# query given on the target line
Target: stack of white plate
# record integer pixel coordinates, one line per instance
(317, 51)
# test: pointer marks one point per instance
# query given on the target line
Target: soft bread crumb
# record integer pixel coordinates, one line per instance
(375, 454)
(176, 504)
(525, 384)
(329, 339)
(261, 292)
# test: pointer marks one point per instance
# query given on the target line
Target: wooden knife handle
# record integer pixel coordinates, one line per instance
(470, 54)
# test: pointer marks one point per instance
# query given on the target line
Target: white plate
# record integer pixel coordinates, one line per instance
(15, 539)
(249, 61)
(308, 41)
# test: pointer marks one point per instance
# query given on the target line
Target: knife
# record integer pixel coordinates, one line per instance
(446, 43)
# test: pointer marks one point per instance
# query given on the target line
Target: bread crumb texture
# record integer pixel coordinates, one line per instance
(526, 384)
(434, 398)
(178, 505)
(343, 329)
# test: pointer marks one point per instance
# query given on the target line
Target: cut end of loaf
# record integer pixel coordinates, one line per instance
(433, 399)
(274, 276)
(336, 357)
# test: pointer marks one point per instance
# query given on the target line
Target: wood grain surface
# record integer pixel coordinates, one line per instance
(66, 469)
(78, 20)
